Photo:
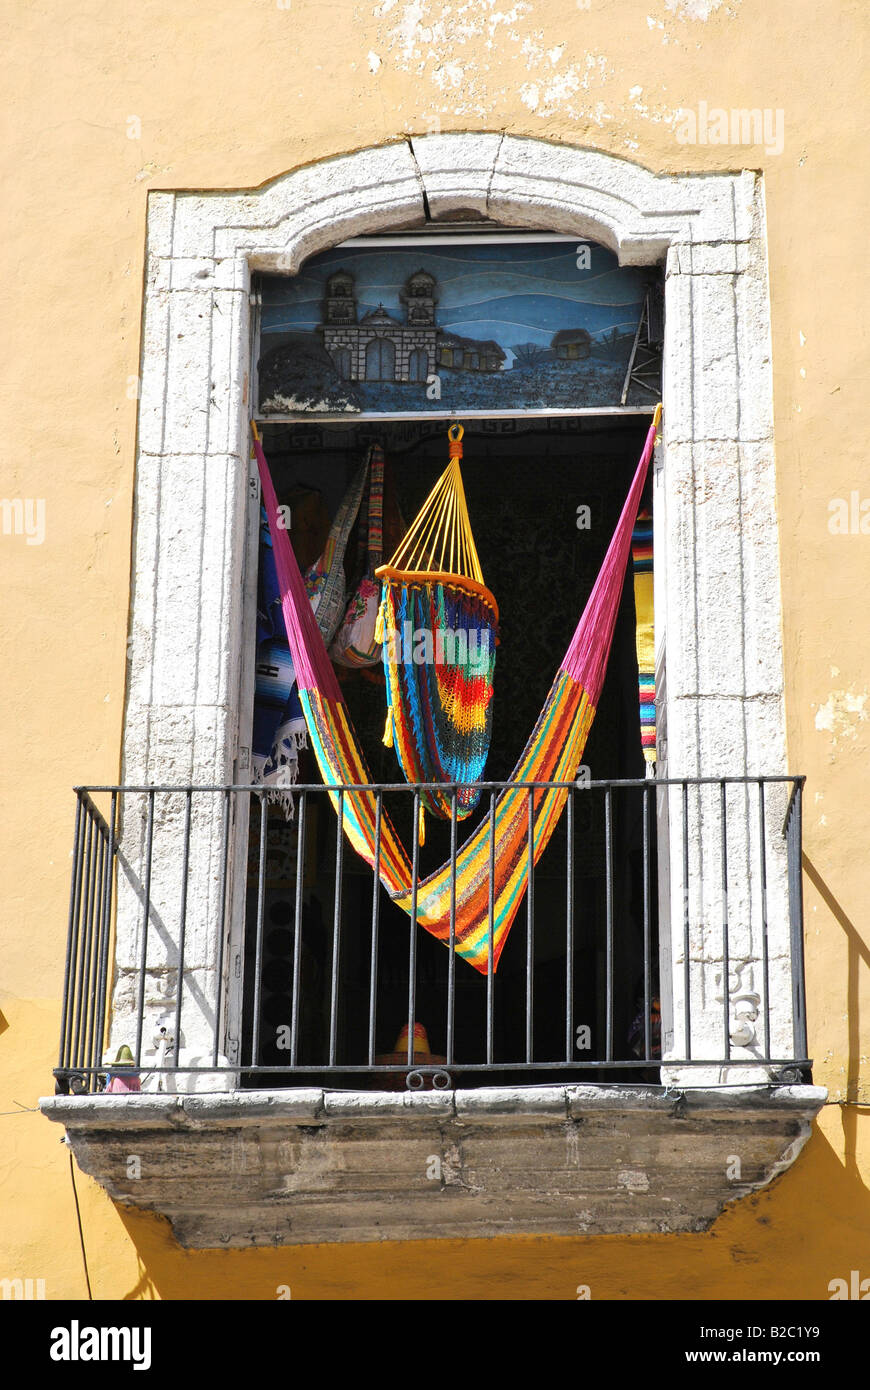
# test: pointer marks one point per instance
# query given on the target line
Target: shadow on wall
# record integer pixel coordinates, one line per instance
(790, 1241)
(858, 951)
(812, 1225)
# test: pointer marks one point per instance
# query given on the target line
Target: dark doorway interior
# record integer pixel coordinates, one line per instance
(525, 481)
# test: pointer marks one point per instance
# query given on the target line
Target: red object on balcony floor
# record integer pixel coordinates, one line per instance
(395, 1080)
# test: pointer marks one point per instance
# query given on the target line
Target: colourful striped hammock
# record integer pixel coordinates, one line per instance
(552, 754)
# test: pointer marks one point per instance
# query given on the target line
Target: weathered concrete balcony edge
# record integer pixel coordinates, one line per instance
(304, 1104)
(319, 1166)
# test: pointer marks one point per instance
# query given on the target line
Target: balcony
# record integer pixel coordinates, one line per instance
(303, 1064)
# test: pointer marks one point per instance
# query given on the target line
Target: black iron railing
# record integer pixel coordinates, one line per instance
(588, 979)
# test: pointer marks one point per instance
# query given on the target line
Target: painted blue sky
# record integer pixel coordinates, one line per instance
(512, 292)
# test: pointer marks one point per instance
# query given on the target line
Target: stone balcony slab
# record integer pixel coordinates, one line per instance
(302, 1166)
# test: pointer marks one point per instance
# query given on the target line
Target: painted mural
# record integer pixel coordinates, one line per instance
(470, 327)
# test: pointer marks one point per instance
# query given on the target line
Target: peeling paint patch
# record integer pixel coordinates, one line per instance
(529, 95)
(448, 75)
(426, 38)
(278, 404)
(700, 9)
(842, 712)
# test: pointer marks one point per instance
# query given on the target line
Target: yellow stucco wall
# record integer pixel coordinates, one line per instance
(228, 95)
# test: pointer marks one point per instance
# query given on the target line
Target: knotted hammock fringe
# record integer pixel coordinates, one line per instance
(281, 769)
(552, 754)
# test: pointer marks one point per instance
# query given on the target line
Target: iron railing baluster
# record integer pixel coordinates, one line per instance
(765, 967)
(490, 967)
(182, 924)
(530, 929)
(94, 965)
(72, 938)
(376, 904)
(647, 931)
(798, 977)
(608, 957)
(222, 929)
(106, 925)
(687, 957)
(336, 934)
(84, 934)
(412, 930)
(569, 931)
(451, 959)
(726, 963)
(262, 845)
(146, 916)
(297, 1002)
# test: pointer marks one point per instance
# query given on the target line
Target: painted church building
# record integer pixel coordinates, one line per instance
(379, 347)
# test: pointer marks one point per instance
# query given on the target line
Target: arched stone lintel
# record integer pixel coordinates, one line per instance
(514, 181)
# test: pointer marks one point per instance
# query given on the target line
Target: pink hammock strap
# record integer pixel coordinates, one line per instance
(586, 657)
(313, 667)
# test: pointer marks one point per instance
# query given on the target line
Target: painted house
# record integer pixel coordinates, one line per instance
(571, 344)
(470, 354)
(662, 1093)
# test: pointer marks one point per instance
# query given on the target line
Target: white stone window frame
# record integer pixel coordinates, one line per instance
(718, 608)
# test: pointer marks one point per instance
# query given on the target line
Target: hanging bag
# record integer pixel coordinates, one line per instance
(355, 644)
(325, 579)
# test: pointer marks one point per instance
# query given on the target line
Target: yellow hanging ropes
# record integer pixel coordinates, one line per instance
(439, 545)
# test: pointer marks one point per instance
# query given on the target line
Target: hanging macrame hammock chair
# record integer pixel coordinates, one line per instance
(438, 623)
(475, 911)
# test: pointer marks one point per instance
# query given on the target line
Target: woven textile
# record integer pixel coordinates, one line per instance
(279, 731)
